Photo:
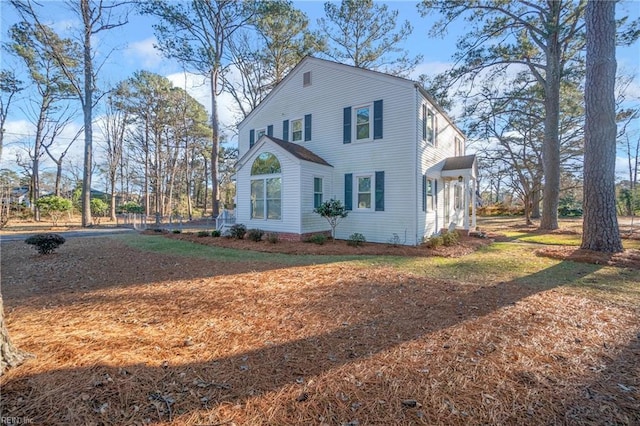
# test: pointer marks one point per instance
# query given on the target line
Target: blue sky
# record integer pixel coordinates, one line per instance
(132, 49)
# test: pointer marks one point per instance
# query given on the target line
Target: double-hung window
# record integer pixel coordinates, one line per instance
(364, 191)
(296, 130)
(317, 192)
(363, 122)
(428, 125)
(363, 186)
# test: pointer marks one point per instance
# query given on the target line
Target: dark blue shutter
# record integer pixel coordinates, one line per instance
(348, 191)
(379, 191)
(252, 137)
(377, 119)
(424, 193)
(285, 130)
(270, 130)
(346, 130)
(307, 127)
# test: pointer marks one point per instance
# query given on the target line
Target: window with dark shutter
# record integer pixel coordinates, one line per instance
(379, 191)
(346, 129)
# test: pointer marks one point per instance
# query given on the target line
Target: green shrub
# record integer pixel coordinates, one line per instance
(203, 233)
(177, 231)
(131, 207)
(273, 237)
(98, 209)
(450, 238)
(356, 239)
(319, 239)
(216, 233)
(45, 243)
(255, 234)
(237, 231)
(434, 241)
(54, 207)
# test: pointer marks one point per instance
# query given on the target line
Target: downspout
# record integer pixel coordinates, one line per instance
(415, 173)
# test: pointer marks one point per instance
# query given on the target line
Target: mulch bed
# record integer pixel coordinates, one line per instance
(630, 258)
(467, 244)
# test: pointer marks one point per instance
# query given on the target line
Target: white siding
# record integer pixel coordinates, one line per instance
(313, 222)
(290, 166)
(400, 153)
(431, 158)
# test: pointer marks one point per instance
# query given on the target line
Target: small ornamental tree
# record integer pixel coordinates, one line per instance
(333, 211)
(54, 206)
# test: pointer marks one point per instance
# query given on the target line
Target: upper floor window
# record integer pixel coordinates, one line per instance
(260, 133)
(459, 147)
(428, 125)
(306, 79)
(363, 123)
(296, 130)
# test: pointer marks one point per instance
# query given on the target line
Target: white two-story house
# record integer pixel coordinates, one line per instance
(376, 142)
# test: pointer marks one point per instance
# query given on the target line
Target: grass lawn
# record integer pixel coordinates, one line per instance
(141, 329)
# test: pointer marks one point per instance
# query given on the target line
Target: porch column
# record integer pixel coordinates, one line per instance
(465, 198)
(473, 206)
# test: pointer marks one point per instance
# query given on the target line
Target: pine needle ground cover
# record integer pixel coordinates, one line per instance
(150, 330)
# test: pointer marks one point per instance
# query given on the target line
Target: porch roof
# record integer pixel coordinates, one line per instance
(459, 166)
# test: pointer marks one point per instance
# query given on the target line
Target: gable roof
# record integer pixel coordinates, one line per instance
(379, 74)
(299, 151)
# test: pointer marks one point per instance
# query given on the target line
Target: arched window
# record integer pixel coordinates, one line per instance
(265, 164)
(266, 193)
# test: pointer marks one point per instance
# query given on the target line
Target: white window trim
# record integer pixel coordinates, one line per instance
(434, 126)
(354, 120)
(263, 130)
(372, 190)
(313, 201)
(301, 119)
(264, 178)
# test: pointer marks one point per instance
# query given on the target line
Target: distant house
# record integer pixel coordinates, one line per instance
(377, 142)
(18, 195)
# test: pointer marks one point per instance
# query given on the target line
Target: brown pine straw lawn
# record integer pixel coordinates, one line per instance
(123, 336)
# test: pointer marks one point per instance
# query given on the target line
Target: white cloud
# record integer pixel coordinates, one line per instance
(19, 138)
(431, 69)
(144, 54)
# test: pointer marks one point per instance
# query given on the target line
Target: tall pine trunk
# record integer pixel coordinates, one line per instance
(87, 109)
(215, 139)
(600, 224)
